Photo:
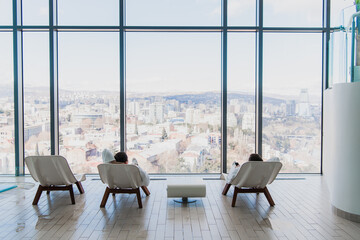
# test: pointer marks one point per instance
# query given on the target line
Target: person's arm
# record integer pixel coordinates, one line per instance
(145, 179)
(233, 172)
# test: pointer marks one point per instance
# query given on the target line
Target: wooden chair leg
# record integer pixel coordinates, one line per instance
(226, 189)
(146, 190)
(268, 197)
(80, 187)
(113, 194)
(138, 197)
(71, 191)
(105, 197)
(37, 195)
(234, 197)
(47, 192)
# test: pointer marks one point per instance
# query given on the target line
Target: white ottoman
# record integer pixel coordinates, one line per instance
(185, 188)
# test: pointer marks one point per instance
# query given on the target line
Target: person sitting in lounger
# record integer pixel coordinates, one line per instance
(235, 167)
(122, 158)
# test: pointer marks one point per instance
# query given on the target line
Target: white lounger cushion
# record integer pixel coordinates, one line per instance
(51, 170)
(120, 175)
(256, 174)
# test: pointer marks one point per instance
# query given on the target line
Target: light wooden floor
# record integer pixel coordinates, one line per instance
(302, 211)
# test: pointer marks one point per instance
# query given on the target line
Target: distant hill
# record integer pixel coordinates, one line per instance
(7, 91)
(196, 98)
(208, 97)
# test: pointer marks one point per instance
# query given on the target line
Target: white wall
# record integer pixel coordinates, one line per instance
(341, 152)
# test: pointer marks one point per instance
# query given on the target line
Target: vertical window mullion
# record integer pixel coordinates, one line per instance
(53, 64)
(18, 88)
(224, 87)
(259, 77)
(122, 77)
(325, 65)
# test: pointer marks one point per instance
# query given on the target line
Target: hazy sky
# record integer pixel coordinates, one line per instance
(172, 61)
(182, 12)
(6, 65)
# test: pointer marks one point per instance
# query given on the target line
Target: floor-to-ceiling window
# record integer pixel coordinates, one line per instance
(173, 101)
(292, 101)
(7, 151)
(173, 87)
(88, 97)
(36, 93)
(178, 85)
(88, 67)
(241, 76)
(291, 113)
(36, 81)
(241, 97)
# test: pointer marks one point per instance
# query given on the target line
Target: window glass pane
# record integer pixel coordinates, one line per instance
(88, 12)
(292, 101)
(173, 13)
(5, 12)
(37, 93)
(241, 97)
(173, 101)
(35, 12)
(341, 11)
(89, 93)
(7, 148)
(339, 57)
(241, 12)
(285, 13)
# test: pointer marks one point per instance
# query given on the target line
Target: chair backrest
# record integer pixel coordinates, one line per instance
(256, 174)
(50, 170)
(120, 175)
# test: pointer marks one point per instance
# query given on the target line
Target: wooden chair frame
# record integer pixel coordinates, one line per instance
(58, 188)
(125, 190)
(248, 190)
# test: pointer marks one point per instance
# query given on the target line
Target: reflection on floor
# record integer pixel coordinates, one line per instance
(302, 211)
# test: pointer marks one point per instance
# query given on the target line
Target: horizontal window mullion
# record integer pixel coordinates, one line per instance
(168, 29)
(294, 29)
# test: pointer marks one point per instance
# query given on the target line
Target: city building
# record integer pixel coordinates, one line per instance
(304, 104)
(248, 122)
(156, 112)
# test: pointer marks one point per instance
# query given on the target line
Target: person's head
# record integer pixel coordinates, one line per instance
(255, 157)
(121, 157)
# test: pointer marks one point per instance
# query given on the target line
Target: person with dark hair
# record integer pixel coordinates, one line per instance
(121, 157)
(255, 157)
(235, 167)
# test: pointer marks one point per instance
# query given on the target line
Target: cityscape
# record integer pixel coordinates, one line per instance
(167, 133)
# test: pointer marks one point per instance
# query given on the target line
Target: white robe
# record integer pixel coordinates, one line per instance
(108, 157)
(232, 173)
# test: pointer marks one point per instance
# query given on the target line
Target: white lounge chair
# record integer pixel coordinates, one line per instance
(253, 177)
(54, 174)
(121, 178)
